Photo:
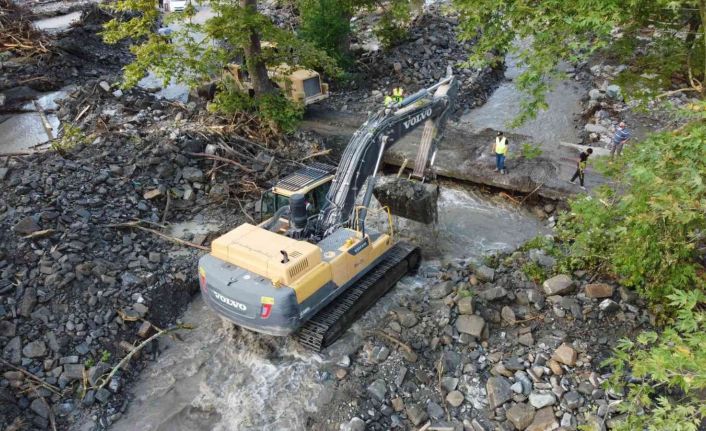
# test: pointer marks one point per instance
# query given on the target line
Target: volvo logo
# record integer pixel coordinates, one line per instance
(417, 118)
(235, 304)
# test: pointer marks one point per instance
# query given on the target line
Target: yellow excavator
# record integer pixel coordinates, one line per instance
(313, 267)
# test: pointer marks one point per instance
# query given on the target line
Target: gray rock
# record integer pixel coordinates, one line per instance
(192, 174)
(609, 306)
(96, 372)
(29, 300)
(465, 305)
(485, 273)
(355, 424)
(516, 387)
(102, 395)
(572, 400)
(416, 413)
(449, 383)
(7, 329)
(378, 389)
(595, 94)
(455, 398)
(499, 391)
(73, 371)
(440, 290)
(89, 399)
(12, 351)
(35, 349)
(542, 259)
(542, 399)
(26, 226)
(520, 415)
(406, 317)
(614, 92)
(105, 86)
(508, 315)
(493, 294)
(40, 407)
(596, 128)
(435, 411)
(558, 285)
(470, 324)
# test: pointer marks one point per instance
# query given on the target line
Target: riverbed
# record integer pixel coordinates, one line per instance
(223, 378)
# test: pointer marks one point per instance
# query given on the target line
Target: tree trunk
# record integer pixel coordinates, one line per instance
(256, 67)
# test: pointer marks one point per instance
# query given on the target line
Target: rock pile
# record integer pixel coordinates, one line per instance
(419, 62)
(79, 288)
(483, 348)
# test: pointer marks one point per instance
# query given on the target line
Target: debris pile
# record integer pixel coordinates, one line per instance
(89, 267)
(17, 34)
(420, 61)
(485, 347)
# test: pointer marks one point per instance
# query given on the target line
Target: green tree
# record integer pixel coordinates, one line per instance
(559, 30)
(197, 52)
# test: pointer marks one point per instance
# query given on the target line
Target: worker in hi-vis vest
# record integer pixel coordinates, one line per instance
(500, 149)
(396, 96)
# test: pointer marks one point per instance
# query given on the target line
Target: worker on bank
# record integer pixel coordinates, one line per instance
(500, 149)
(581, 167)
(622, 135)
(395, 96)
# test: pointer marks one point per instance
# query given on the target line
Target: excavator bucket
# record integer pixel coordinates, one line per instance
(408, 198)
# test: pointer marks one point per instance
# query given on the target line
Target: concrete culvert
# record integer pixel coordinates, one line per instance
(409, 199)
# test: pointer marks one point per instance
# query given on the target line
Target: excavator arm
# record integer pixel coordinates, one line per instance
(361, 158)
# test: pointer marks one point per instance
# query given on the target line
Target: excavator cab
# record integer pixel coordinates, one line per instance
(313, 182)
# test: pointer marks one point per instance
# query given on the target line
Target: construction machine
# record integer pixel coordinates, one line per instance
(313, 267)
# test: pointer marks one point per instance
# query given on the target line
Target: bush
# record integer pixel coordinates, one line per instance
(71, 136)
(392, 27)
(529, 151)
(667, 371)
(276, 110)
(534, 272)
(649, 234)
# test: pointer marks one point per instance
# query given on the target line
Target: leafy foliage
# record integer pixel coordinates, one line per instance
(555, 31)
(529, 151)
(392, 27)
(326, 24)
(649, 234)
(667, 370)
(198, 50)
(71, 136)
(534, 272)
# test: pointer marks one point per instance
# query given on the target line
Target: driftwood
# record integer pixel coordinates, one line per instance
(137, 348)
(136, 224)
(33, 377)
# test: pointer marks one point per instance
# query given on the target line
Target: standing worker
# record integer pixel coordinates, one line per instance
(622, 135)
(581, 167)
(500, 148)
(395, 96)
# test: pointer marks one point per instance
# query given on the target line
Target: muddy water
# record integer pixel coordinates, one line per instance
(59, 23)
(19, 132)
(222, 378)
(554, 125)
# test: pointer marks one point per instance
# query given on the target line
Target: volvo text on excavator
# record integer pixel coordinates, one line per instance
(313, 267)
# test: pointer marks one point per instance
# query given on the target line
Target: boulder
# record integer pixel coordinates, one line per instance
(599, 290)
(493, 294)
(544, 420)
(465, 305)
(565, 354)
(558, 285)
(440, 290)
(455, 398)
(26, 226)
(520, 415)
(609, 306)
(470, 324)
(378, 389)
(499, 391)
(542, 399)
(35, 349)
(416, 414)
(485, 273)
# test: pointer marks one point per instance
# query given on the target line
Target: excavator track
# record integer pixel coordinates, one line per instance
(333, 320)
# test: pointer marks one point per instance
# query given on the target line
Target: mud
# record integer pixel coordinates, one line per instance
(408, 198)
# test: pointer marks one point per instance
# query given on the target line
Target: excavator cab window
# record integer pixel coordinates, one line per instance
(271, 202)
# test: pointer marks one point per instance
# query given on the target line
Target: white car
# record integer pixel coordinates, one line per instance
(176, 5)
